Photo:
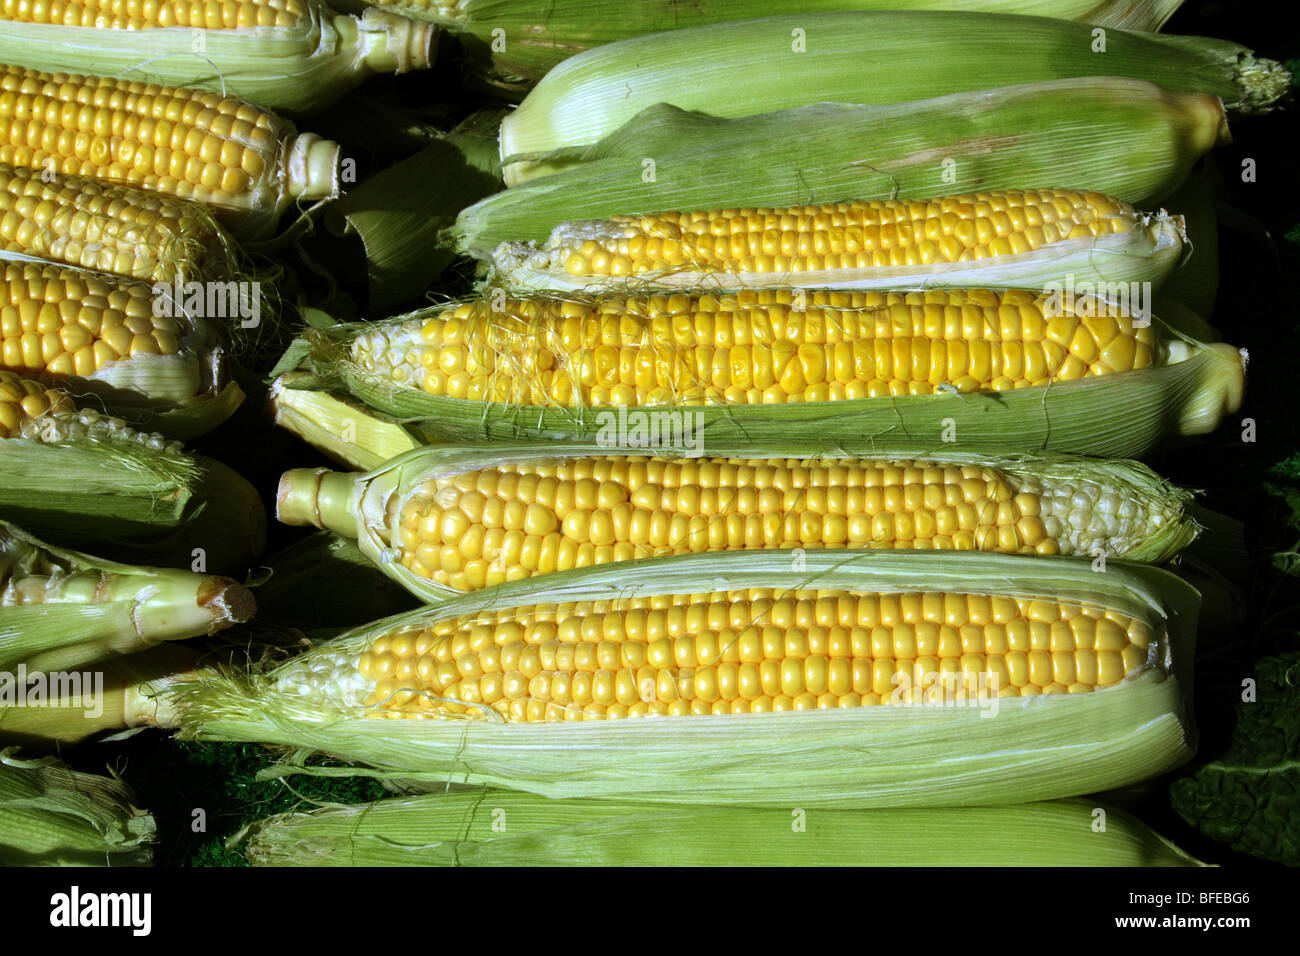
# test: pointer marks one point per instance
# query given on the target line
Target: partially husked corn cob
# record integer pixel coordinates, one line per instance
(444, 520)
(293, 55)
(654, 678)
(974, 368)
(246, 163)
(61, 609)
(521, 40)
(773, 63)
(110, 337)
(118, 487)
(1016, 238)
(107, 228)
(1030, 136)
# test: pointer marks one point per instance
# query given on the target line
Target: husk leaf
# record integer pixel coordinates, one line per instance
(1034, 748)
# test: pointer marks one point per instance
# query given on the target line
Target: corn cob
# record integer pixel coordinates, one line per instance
(52, 815)
(247, 164)
(1013, 239)
(110, 337)
(907, 369)
(521, 40)
(61, 610)
(109, 229)
(500, 828)
(292, 55)
(647, 681)
(774, 63)
(443, 520)
(121, 693)
(1033, 136)
(138, 493)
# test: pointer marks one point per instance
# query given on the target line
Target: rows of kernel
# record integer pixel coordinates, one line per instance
(847, 235)
(778, 354)
(65, 323)
(483, 527)
(750, 652)
(22, 400)
(86, 224)
(1022, 207)
(142, 14)
(187, 143)
(452, 9)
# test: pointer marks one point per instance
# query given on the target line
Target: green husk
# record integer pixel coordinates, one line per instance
(1062, 134)
(868, 57)
(1195, 283)
(1033, 748)
(1186, 322)
(297, 69)
(501, 828)
(1223, 606)
(1122, 415)
(52, 815)
(61, 610)
(1223, 546)
(324, 583)
(101, 487)
(187, 419)
(517, 41)
(400, 213)
(348, 432)
(225, 536)
(119, 696)
(367, 507)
